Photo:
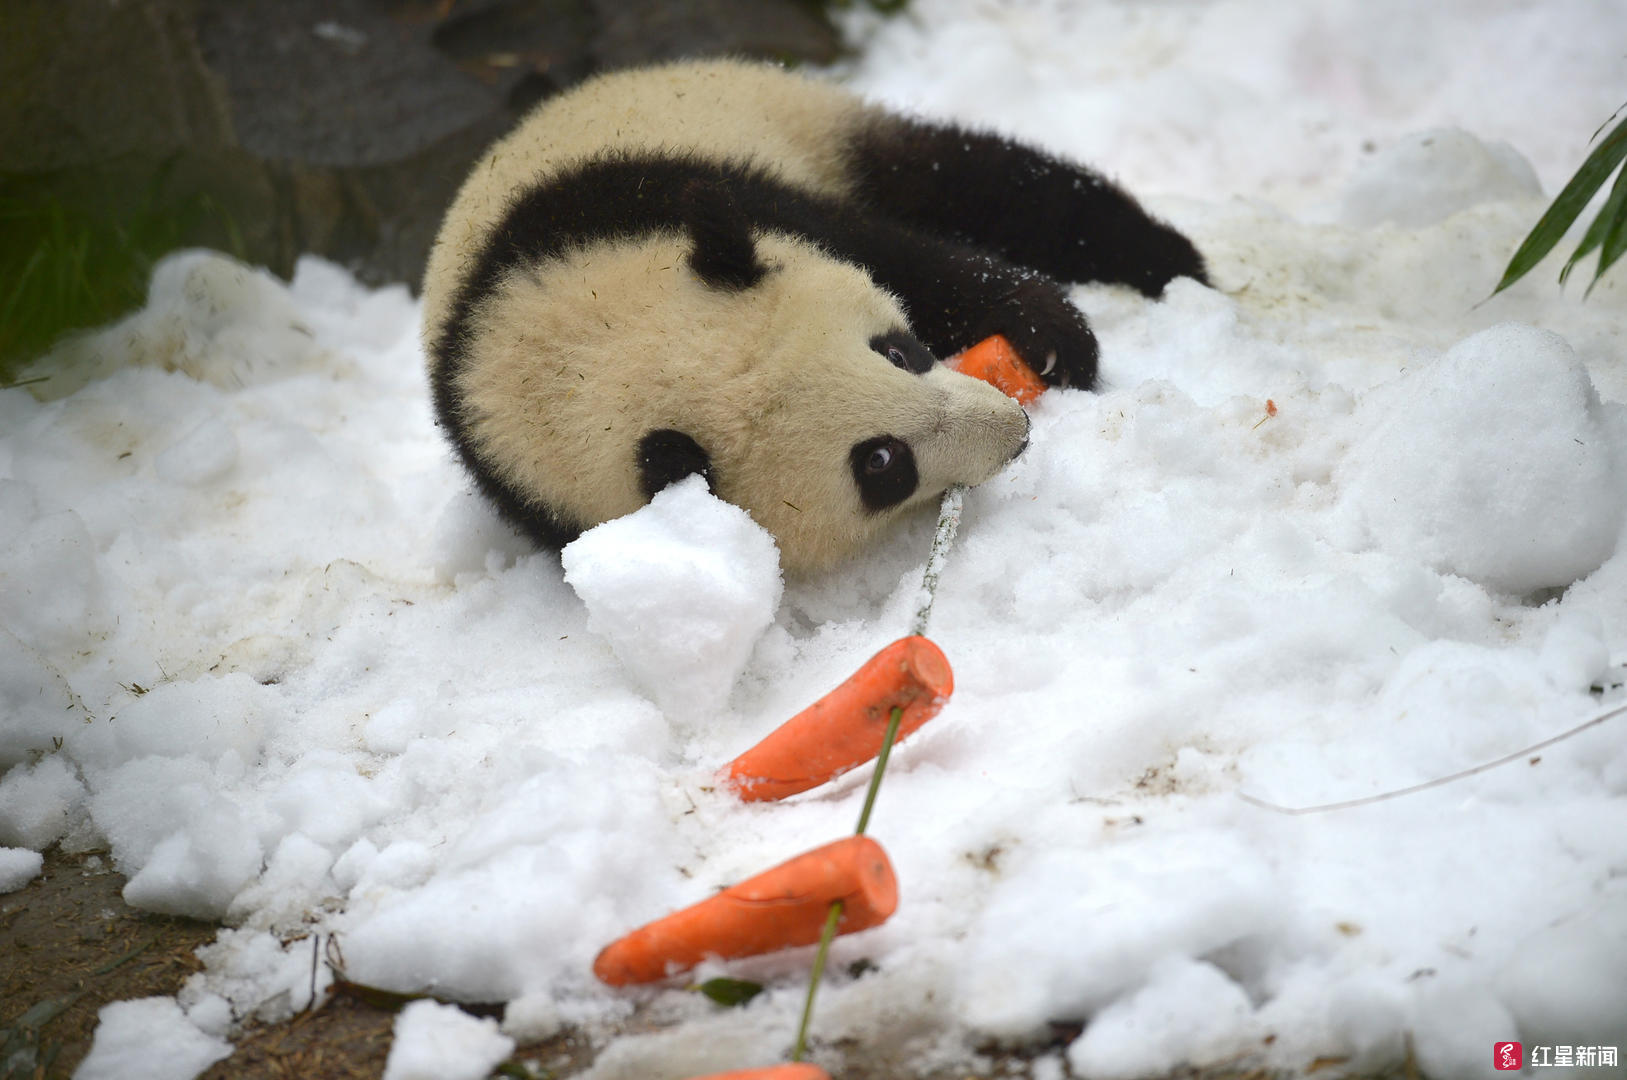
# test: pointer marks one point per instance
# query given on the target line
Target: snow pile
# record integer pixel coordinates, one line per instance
(682, 590)
(37, 803)
(18, 866)
(148, 1039)
(442, 1042)
(1495, 463)
(1428, 176)
(1337, 526)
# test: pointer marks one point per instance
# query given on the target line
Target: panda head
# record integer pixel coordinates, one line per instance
(844, 420)
(589, 380)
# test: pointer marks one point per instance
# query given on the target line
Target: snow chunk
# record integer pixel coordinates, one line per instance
(35, 803)
(1188, 1013)
(148, 1039)
(442, 1042)
(682, 589)
(188, 848)
(18, 866)
(1428, 176)
(196, 871)
(1493, 463)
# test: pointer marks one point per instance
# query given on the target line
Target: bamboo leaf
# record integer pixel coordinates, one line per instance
(1567, 205)
(1610, 213)
(730, 992)
(1615, 242)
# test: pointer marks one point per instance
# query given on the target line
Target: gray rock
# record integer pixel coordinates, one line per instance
(339, 127)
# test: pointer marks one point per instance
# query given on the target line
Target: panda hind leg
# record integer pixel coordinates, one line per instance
(1030, 208)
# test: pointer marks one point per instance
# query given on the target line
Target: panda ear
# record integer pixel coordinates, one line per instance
(724, 255)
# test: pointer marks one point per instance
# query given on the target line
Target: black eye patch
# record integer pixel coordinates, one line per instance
(901, 349)
(884, 470)
(666, 456)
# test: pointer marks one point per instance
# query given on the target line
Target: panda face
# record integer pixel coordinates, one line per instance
(862, 423)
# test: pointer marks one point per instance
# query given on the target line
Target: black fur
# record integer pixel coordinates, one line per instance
(1032, 209)
(723, 254)
(884, 470)
(666, 456)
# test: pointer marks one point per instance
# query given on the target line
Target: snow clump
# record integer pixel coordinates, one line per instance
(682, 589)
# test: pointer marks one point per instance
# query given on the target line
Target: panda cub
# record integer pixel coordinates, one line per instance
(723, 268)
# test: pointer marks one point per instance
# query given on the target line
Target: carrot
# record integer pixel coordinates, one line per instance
(995, 362)
(773, 1072)
(844, 729)
(777, 909)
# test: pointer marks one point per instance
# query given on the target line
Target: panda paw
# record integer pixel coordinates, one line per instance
(1048, 332)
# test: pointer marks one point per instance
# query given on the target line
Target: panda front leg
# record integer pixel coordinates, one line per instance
(956, 295)
(1023, 204)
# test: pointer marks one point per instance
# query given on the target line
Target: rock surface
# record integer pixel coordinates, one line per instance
(339, 127)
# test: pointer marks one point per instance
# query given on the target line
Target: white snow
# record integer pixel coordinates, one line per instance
(682, 590)
(258, 636)
(148, 1039)
(18, 866)
(37, 803)
(442, 1042)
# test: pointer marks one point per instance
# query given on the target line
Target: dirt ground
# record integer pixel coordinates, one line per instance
(70, 945)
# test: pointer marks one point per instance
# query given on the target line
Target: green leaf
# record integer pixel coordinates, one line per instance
(730, 992)
(1615, 241)
(1610, 213)
(1569, 203)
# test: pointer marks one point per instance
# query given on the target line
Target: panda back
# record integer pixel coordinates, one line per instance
(714, 110)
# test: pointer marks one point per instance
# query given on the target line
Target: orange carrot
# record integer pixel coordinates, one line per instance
(845, 728)
(773, 1072)
(995, 362)
(777, 909)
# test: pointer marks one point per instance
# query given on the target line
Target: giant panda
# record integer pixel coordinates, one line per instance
(725, 268)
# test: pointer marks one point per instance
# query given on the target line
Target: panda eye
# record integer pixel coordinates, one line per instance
(884, 472)
(901, 349)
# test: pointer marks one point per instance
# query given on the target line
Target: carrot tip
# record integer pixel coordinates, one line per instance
(845, 728)
(996, 362)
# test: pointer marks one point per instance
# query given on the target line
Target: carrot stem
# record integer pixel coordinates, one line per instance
(813, 979)
(881, 767)
(948, 524)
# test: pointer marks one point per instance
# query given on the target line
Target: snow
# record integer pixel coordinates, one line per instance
(682, 591)
(442, 1042)
(37, 803)
(148, 1039)
(1432, 477)
(259, 637)
(18, 866)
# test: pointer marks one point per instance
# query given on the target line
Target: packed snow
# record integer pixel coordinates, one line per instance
(442, 1042)
(149, 1039)
(1338, 526)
